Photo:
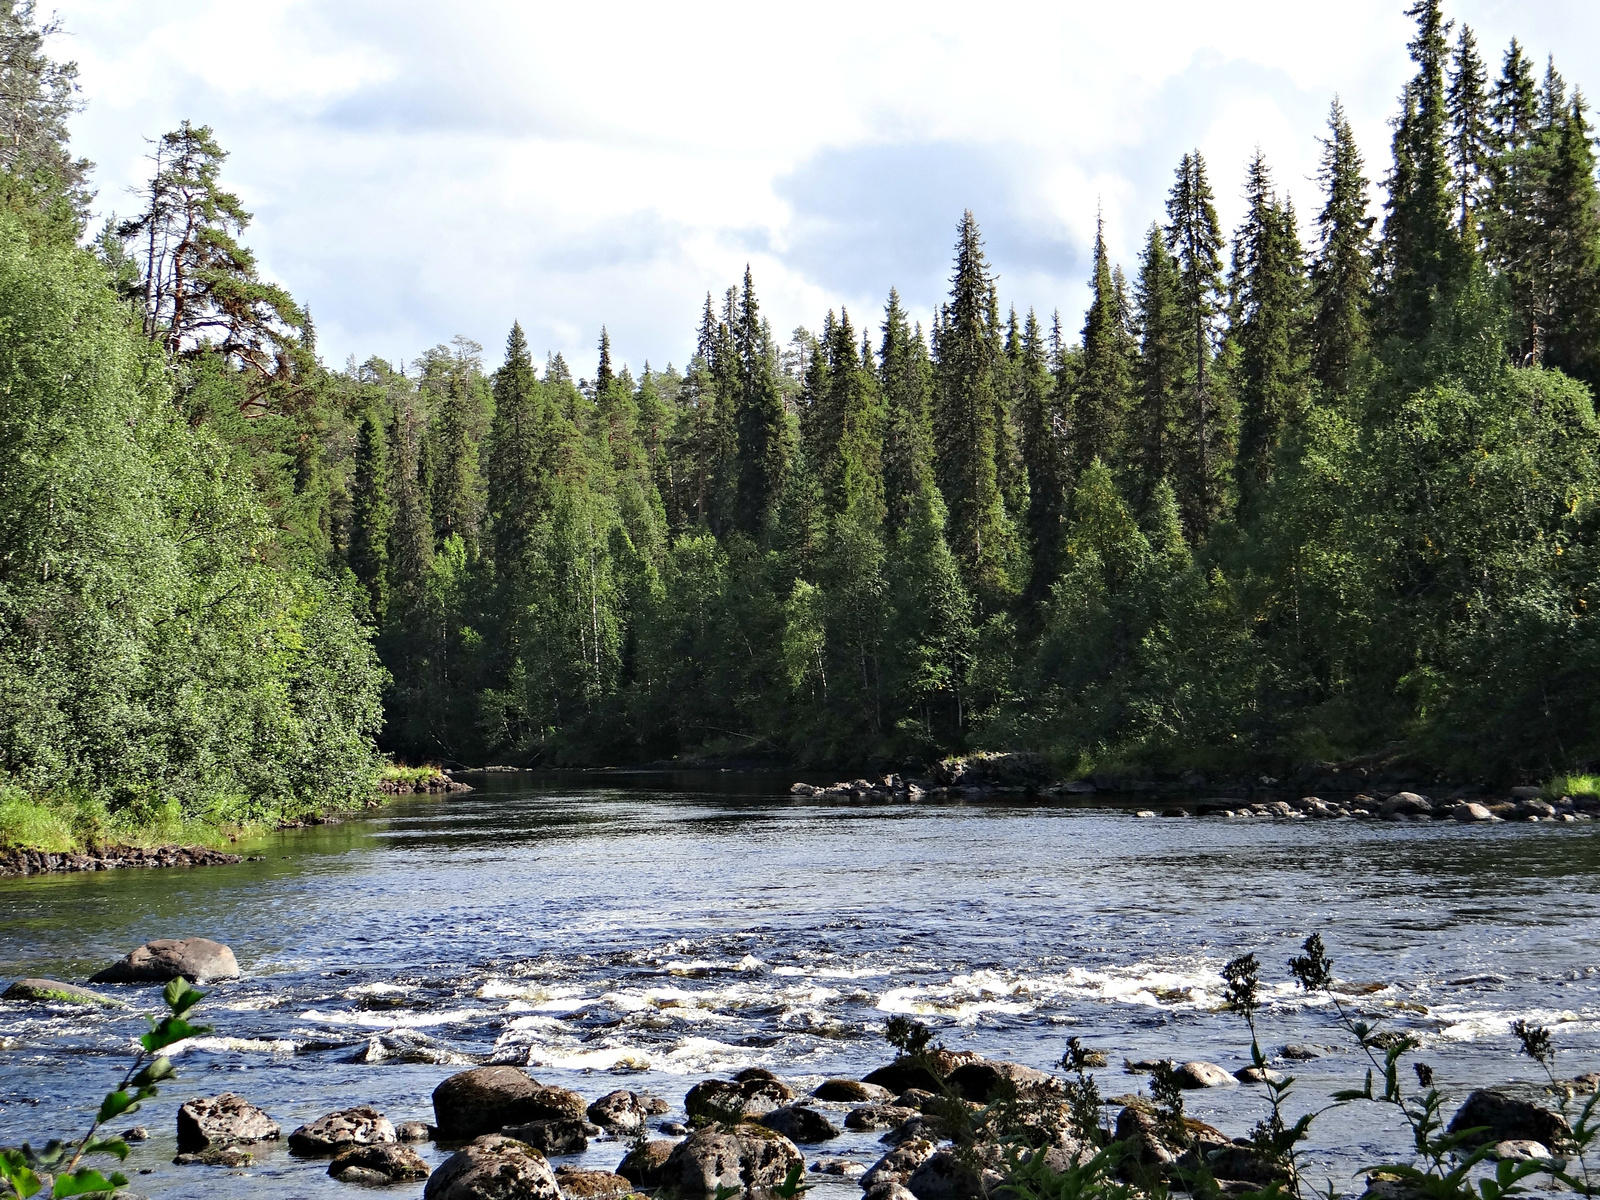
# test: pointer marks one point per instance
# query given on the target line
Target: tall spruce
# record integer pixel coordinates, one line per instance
(411, 534)
(1041, 431)
(1570, 250)
(1105, 376)
(966, 403)
(371, 514)
(906, 380)
(758, 417)
(1155, 429)
(1341, 275)
(1268, 328)
(1193, 236)
(1471, 137)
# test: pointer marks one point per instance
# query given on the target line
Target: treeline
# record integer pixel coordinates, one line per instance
(1277, 500)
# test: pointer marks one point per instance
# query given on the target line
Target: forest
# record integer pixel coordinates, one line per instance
(1317, 488)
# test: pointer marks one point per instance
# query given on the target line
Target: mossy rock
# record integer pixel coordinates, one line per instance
(50, 991)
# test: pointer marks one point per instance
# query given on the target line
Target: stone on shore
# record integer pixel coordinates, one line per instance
(211, 1122)
(1405, 804)
(199, 960)
(51, 991)
(378, 1163)
(493, 1168)
(1499, 1117)
(1471, 813)
(1149, 1143)
(748, 1157)
(361, 1126)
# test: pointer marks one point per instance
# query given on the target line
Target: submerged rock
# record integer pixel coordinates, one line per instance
(50, 991)
(380, 1163)
(199, 960)
(493, 1168)
(362, 1126)
(211, 1122)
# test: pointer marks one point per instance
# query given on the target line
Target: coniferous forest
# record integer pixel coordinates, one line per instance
(1318, 487)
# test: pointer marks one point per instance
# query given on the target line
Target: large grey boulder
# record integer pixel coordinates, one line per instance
(870, 1117)
(562, 1136)
(747, 1157)
(1405, 804)
(361, 1126)
(493, 1168)
(643, 1165)
(624, 1112)
(199, 960)
(380, 1163)
(801, 1124)
(983, 1080)
(579, 1184)
(943, 1176)
(722, 1099)
(1202, 1075)
(897, 1165)
(851, 1091)
(487, 1099)
(1500, 1117)
(212, 1122)
(50, 991)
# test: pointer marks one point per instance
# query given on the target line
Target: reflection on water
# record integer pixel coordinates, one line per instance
(650, 931)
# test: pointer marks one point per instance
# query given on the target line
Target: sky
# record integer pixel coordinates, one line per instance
(419, 170)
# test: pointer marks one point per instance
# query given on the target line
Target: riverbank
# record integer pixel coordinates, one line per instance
(77, 832)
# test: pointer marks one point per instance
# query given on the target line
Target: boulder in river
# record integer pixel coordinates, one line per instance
(199, 960)
(1151, 1146)
(871, 1117)
(983, 1080)
(801, 1124)
(1497, 1116)
(378, 1163)
(851, 1091)
(578, 1184)
(561, 1136)
(1405, 804)
(897, 1165)
(361, 1126)
(643, 1164)
(927, 1071)
(1471, 813)
(944, 1176)
(493, 1168)
(748, 1157)
(487, 1099)
(413, 1131)
(211, 1122)
(1202, 1075)
(725, 1100)
(50, 991)
(624, 1112)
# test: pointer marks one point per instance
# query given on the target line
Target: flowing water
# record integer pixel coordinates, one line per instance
(647, 933)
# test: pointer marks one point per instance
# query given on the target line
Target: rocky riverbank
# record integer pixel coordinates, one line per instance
(18, 861)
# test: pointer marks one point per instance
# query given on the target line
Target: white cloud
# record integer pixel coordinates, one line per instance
(419, 170)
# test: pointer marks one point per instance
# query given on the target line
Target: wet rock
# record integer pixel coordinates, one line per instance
(378, 1163)
(643, 1164)
(49, 991)
(413, 1131)
(578, 1184)
(983, 1080)
(1237, 1161)
(199, 960)
(562, 1136)
(722, 1099)
(673, 1128)
(1471, 813)
(846, 1167)
(748, 1158)
(137, 1134)
(17, 861)
(917, 1098)
(943, 1176)
(363, 1126)
(1151, 1146)
(1519, 1150)
(871, 1117)
(1405, 804)
(486, 1099)
(1499, 1117)
(212, 1122)
(1542, 809)
(1202, 1075)
(624, 1112)
(926, 1071)
(1258, 1075)
(800, 1124)
(1300, 1052)
(851, 1091)
(218, 1156)
(897, 1165)
(893, 1189)
(493, 1168)
(918, 1127)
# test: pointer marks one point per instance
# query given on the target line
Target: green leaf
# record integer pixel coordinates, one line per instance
(111, 1145)
(154, 1073)
(170, 1031)
(115, 1104)
(181, 996)
(14, 1169)
(86, 1181)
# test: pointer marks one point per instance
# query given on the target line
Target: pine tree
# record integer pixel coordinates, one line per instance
(1341, 275)
(906, 380)
(1193, 236)
(967, 401)
(1422, 253)
(371, 515)
(1155, 429)
(1104, 384)
(1268, 327)
(1471, 138)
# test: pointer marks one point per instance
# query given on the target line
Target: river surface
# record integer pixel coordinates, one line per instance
(649, 932)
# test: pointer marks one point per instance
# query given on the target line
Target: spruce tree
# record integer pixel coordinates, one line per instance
(1192, 234)
(967, 401)
(454, 377)
(1042, 430)
(758, 418)
(603, 375)
(1422, 253)
(1471, 138)
(1570, 214)
(371, 514)
(906, 380)
(411, 534)
(1268, 328)
(1341, 275)
(1104, 384)
(522, 451)
(1155, 423)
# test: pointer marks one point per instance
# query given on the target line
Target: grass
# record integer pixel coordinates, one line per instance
(1572, 785)
(394, 773)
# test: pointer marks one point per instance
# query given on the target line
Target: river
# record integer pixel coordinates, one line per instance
(646, 932)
